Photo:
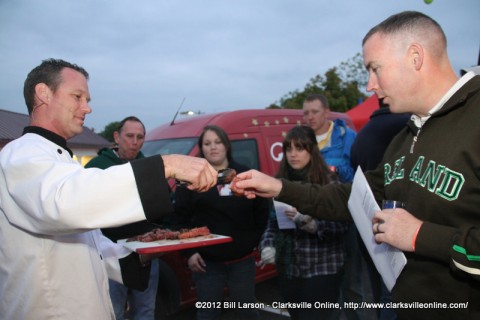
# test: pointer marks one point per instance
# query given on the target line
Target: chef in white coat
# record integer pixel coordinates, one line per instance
(54, 262)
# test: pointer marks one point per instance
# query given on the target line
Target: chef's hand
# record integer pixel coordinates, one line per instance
(196, 263)
(397, 227)
(253, 183)
(197, 172)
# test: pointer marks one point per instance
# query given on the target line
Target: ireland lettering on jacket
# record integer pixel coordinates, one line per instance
(436, 178)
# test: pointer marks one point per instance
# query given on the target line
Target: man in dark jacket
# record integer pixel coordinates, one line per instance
(433, 165)
(373, 139)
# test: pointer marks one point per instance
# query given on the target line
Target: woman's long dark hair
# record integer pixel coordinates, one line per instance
(223, 137)
(303, 137)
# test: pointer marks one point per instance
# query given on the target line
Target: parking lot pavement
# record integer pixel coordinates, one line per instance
(189, 314)
(266, 293)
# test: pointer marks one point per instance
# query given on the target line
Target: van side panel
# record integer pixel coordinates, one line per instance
(256, 137)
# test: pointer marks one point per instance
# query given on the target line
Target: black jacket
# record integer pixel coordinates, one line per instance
(242, 219)
(372, 140)
(439, 178)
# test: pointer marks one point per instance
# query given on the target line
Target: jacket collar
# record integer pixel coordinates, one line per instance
(49, 135)
(468, 85)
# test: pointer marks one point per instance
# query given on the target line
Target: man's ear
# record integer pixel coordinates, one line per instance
(416, 54)
(43, 92)
(115, 136)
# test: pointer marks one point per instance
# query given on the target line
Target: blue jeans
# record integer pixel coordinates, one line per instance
(386, 297)
(142, 302)
(238, 277)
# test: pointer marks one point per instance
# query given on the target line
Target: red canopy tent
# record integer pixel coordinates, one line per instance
(361, 113)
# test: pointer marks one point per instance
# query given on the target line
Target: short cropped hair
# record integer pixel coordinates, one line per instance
(47, 72)
(319, 97)
(411, 22)
(130, 118)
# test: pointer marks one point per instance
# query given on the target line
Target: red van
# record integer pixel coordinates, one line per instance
(256, 137)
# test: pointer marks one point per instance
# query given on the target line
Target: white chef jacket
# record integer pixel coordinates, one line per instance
(53, 258)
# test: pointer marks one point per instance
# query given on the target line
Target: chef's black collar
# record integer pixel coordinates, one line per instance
(49, 135)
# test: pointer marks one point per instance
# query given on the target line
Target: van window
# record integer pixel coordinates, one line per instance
(246, 152)
(243, 151)
(169, 146)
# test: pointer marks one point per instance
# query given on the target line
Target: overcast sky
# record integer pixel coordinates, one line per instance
(145, 56)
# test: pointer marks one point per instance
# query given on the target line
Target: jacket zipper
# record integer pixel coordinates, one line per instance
(415, 139)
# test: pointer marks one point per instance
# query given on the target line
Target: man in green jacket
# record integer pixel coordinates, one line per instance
(129, 138)
(433, 165)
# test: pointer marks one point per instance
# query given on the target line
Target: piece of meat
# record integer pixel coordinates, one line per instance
(167, 234)
(195, 232)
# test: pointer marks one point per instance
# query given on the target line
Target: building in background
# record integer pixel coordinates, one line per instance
(84, 146)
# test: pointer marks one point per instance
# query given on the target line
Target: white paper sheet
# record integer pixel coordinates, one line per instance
(388, 260)
(284, 222)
